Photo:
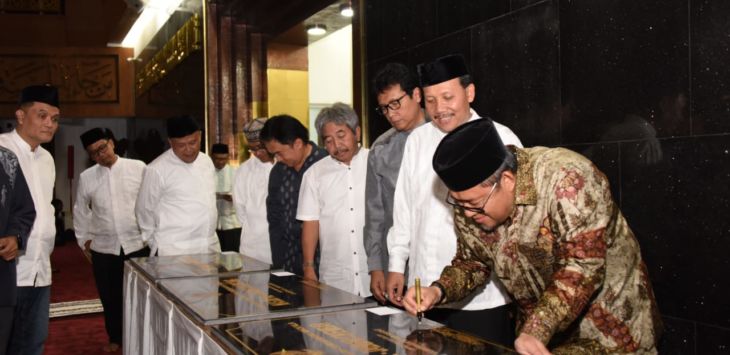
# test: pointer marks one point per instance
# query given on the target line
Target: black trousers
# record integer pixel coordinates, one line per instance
(6, 326)
(230, 239)
(109, 277)
(496, 324)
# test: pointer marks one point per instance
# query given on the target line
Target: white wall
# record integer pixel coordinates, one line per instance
(330, 73)
(68, 134)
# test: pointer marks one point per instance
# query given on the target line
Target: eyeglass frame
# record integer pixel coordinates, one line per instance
(392, 105)
(450, 201)
(258, 149)
(98, 151)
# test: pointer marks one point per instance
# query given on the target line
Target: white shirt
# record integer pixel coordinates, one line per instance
(423, 225)
(34, 267)
(250, 188)
(176, 206)
(333, 193)
(104, 207)
(226, 212)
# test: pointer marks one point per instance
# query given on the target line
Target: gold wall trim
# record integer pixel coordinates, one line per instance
(185, 41)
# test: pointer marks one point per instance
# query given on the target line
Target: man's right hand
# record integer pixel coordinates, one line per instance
(394, 287)
(8, 247)
(87, 250)
(377, 285)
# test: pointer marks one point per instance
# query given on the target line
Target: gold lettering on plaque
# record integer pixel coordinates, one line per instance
(346, 337)
(322, 340)
(459, 336)
(407, 344)
(280, 289)
(243, 288)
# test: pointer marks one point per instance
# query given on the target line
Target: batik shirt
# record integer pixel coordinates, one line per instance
(17, 213)
(285, 232)
(566, 256)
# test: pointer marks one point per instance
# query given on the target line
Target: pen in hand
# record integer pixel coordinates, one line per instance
(419, 314)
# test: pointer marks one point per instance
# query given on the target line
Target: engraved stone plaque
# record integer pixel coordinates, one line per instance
(350, 332)
(256, 295)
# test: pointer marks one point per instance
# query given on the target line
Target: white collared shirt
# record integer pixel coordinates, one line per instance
(423, 226)
(104, 207)
(333, 193)
(176, 206)
(226, 211)
(34, 267)
(250, 188)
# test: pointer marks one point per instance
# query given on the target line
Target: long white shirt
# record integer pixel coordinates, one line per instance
(250, 188)
(176, 206)
(423, 225)
(226, 211)
(333, 193)
(104, 207)
(34, 267)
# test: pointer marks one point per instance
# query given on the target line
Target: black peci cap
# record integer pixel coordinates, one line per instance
(442, 69)
(469, 155)
(181, 126)
(47, 94)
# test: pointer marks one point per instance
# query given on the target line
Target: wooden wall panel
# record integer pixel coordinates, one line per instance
(92, 82)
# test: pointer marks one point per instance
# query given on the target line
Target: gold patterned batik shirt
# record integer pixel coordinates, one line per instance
(567, 257)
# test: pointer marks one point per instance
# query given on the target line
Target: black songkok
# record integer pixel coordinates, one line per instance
(46, 94)
(181, 126)
(442, 69)
(92, 136)
(469, 155)
(219, 148)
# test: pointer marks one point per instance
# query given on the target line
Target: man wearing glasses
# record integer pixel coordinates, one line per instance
(399, 101)
(542, 220)
(105, 225)
(250, 188)
(423, 228)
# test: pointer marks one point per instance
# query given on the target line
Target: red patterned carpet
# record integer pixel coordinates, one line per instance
(77, 335)
(73, 280)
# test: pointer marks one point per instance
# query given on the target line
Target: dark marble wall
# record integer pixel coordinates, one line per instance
(640, 87)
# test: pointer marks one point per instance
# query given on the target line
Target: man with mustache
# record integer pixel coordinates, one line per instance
(37, 117)
(332, 204)
(423, 228)
(543, 221)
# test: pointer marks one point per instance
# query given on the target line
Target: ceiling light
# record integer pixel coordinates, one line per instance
(346, 10)
(153, 16)
(316, 29)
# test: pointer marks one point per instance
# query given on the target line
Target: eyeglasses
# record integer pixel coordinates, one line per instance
(98, 151)
(450, 200)
(255, 149)
(393, 105)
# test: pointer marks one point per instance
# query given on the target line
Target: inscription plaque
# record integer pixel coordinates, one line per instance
(350, 332)
(256, 295)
